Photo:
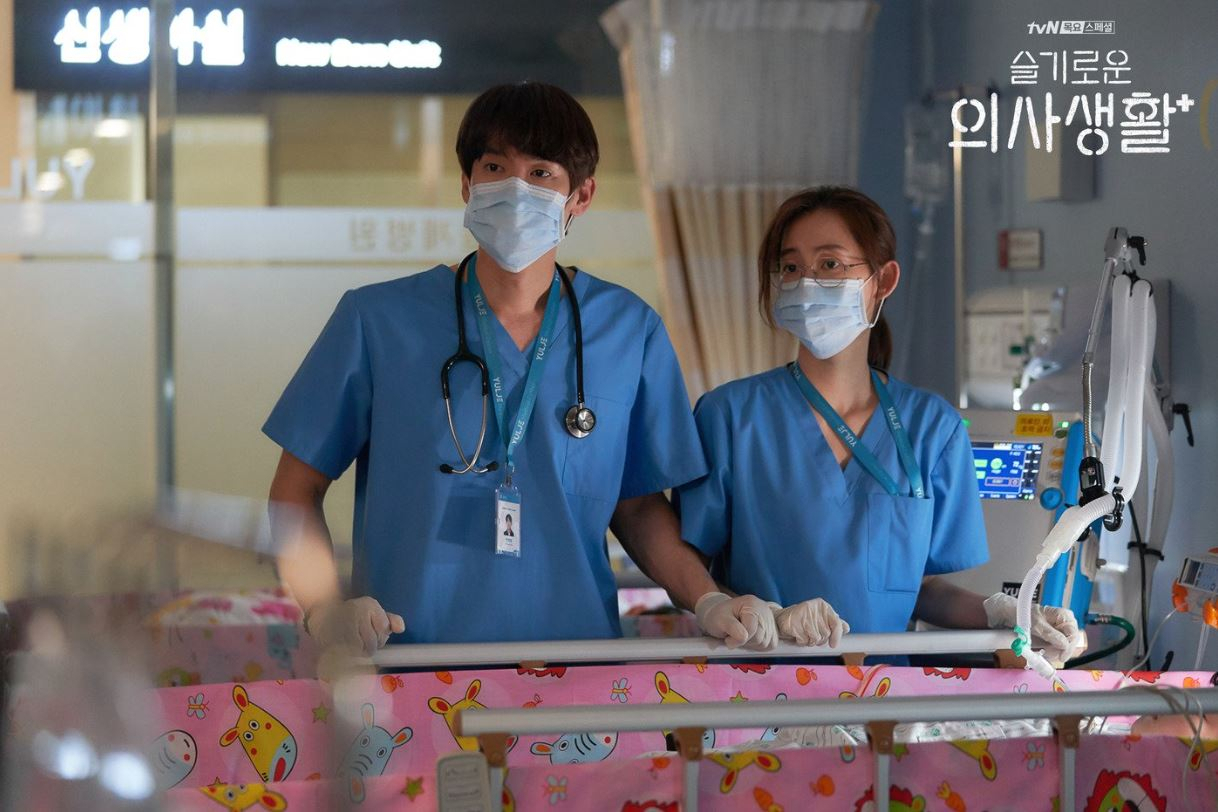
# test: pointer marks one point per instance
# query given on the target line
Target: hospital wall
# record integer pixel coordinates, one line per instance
(896, 76)
(1171, 199)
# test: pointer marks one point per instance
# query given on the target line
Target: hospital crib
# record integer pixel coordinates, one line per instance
(1064, 770)
(197, 637)
(745, 736)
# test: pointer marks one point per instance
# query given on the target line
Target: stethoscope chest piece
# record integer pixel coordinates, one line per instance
(580, 421)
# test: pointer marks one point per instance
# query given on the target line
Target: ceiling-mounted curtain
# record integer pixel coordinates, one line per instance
(734, 105)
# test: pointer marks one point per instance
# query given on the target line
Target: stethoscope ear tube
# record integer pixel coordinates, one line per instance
(579, 419)
(471, 463)
(463, 355)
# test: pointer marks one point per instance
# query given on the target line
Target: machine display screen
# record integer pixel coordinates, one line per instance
(1007, 470)
(1202, 575)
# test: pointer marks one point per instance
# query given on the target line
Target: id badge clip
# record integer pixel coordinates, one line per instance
(507, 519)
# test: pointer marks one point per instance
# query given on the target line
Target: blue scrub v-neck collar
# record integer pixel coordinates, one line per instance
(512, 357)
(843, 481)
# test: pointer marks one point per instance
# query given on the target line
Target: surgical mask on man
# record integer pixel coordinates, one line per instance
(824, 319)
(515, 221)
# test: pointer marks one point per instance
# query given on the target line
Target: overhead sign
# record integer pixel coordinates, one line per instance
(343, 53)
(310, 45)
(126, 37)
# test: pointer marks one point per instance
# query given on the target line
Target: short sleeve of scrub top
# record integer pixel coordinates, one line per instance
(958, 523)
(659, 422)
(323, 416)
(784, 521)
(705, 506)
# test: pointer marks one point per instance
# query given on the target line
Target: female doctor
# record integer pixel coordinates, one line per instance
(835, 491)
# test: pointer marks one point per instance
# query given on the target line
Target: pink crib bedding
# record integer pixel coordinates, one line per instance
(398, 725)
(200, 637)
(1113, 774)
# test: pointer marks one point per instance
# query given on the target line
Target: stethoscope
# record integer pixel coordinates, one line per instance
(579, 419)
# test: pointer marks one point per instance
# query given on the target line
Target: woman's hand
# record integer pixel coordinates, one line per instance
(811, 623)
(1052, 624)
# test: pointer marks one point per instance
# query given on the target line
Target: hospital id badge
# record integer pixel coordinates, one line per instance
(507, 520)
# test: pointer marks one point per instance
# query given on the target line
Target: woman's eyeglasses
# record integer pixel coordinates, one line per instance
(827, 270)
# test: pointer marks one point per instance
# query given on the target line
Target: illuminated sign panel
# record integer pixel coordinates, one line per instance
(127, 37)
(343, 53)
(427, 46)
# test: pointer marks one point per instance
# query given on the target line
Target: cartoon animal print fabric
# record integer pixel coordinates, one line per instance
(577, 748)
(240, 797)
(288, 731)
(1124, 792)
(669, 696)
(267, 742)
(900, 799)
(174, 755)
(441, 706)
(733, 763)
(281, 641)
(369, 753)
(979, 751)
(771, 733)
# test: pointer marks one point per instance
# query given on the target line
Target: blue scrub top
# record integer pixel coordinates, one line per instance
(786, 523)
(369, 391)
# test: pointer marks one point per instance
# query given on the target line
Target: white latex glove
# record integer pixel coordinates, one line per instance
(1053, 624)
(743, 620)
(360, 624)
(811, 623)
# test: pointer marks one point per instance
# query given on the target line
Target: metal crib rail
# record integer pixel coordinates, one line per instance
(804, 712)
(673, 649)
(879, 714)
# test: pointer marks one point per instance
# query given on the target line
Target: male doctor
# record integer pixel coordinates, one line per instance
(432, 562)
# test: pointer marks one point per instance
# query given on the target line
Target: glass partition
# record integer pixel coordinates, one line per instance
(283, 201)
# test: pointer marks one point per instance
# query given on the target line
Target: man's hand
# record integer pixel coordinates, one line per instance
(744, 620)
(360, 624)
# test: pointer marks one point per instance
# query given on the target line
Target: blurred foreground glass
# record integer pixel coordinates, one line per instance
(84, 671)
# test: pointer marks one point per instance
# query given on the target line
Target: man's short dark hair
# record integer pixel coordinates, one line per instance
(534, 118)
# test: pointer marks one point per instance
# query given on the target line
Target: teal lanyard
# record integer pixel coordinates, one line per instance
(860, 451)
(494, 364)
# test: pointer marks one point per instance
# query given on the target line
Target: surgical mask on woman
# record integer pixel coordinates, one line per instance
(824, 319)
(515, 221)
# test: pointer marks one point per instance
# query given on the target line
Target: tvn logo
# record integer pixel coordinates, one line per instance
(1073, 27)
